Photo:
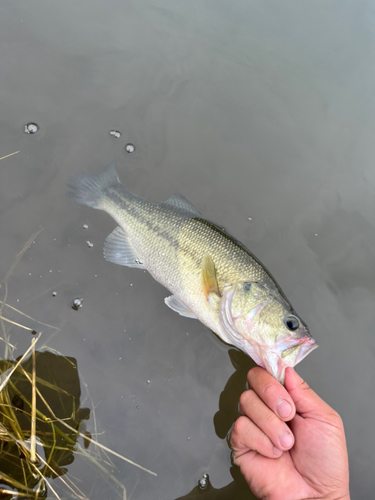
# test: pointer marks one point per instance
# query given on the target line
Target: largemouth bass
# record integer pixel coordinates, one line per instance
(212, 276)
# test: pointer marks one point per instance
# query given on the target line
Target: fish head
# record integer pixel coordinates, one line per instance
(260, 322)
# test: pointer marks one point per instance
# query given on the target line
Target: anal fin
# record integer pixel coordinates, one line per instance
(179, 307)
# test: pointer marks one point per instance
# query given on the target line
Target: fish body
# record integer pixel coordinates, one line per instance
(212, 276)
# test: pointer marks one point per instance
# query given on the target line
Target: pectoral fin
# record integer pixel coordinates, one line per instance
(179, 307)
(209, 280)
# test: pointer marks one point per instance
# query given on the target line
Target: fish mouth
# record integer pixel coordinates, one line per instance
(305, 348)
(293, 355)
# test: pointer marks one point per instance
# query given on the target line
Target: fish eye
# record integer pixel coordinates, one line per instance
(292, 323)
(246, 287)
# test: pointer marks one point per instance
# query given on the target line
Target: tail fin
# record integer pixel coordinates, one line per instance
(89, 189)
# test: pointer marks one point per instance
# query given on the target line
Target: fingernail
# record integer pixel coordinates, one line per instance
(284, 409)
(286, 440)
(277, 452)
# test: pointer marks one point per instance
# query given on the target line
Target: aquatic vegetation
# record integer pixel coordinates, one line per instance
(42, 421)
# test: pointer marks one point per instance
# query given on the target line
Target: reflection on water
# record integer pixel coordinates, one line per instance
(58, 421)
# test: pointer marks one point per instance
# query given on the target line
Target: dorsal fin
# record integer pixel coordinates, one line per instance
(179, 201)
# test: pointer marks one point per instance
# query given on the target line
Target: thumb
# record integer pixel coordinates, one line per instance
(307, 402)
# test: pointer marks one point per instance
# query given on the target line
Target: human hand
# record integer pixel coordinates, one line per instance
(302, 460)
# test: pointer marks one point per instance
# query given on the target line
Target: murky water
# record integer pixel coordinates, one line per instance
(262, 115)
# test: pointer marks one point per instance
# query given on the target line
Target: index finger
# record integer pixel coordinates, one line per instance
(272, 393)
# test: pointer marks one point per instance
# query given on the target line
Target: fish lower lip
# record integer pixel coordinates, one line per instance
(308, 346)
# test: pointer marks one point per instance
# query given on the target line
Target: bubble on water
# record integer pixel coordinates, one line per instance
(89, 244)
(31, 128)
(115, 133)
(130, 148)
(249, 218)
(148, 382)
(85, 226)
(203, 482)
(188, 438)
(54, 294)
(77, 304)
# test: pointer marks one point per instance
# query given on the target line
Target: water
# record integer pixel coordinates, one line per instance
(247, 109)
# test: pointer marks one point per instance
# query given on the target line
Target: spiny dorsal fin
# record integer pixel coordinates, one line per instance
(209, 280)
(179, 201)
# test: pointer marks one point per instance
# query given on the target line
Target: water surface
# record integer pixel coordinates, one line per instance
(252, 110)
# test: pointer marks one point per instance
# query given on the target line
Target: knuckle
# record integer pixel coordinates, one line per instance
(239, 430)
(247, 400)
(254, 375)
(269, 390)
(270, 420)
(335, 419)
(236, 429)
(304, 386)
(264, 442)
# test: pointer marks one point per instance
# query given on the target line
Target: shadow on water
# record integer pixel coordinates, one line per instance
(238, 489)
(228, 402)
(223, 421)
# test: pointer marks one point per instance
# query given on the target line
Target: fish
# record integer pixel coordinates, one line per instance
(211, 275)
